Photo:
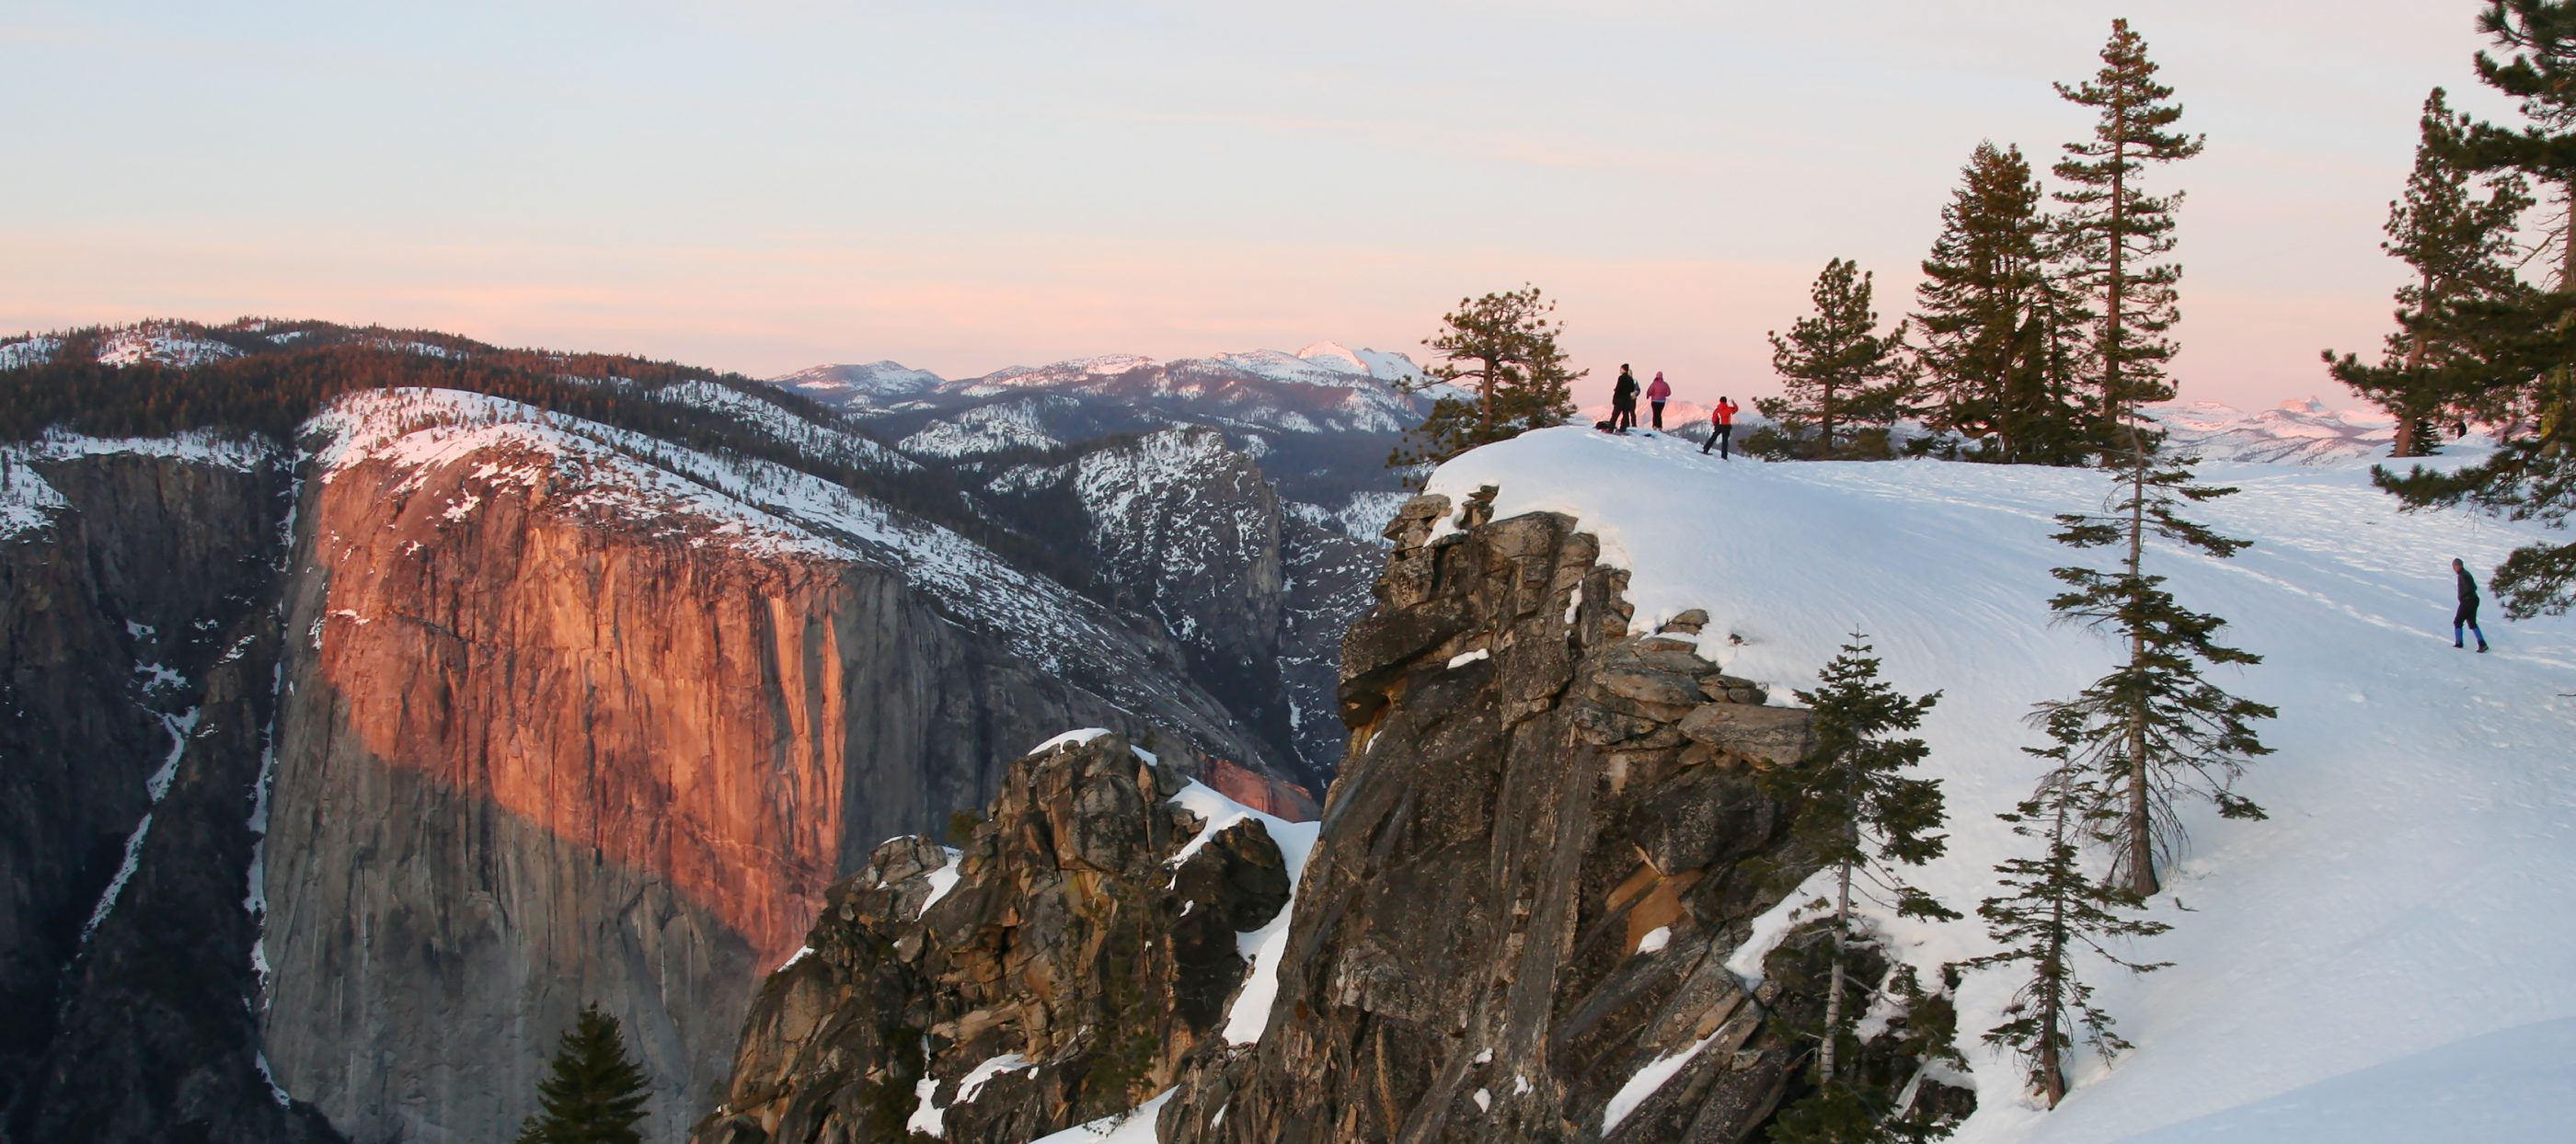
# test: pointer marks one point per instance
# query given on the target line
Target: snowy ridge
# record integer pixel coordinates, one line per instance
(765, 511)
(28, 503)
(2304, 432)
(985, 429)
(2408, 892)
(838, 384)
(1324, 388)
(30, 351)
(160, 343)
(809, 438)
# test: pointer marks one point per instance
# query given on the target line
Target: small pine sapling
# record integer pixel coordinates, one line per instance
(594, 1093)
(1862, 817)
(2050, 911)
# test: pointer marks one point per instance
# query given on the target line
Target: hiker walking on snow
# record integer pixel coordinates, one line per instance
(2468, 614)
(1721, 422)
(1623, 401)
(1656, 393)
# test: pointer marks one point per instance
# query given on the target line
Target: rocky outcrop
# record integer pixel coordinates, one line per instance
(1529, 916)
(1530, 877)
(1058, 967)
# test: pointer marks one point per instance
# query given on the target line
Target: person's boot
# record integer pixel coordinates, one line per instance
(2482, 643)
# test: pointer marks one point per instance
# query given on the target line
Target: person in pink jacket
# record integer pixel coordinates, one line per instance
(1657, 393)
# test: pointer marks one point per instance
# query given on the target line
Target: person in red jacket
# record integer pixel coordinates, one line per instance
(1722, 429)
(1656, 393)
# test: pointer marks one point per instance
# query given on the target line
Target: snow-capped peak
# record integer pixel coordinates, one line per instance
(874, 379)
(1333, 356)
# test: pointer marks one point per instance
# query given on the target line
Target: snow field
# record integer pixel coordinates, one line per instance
(2409, 891)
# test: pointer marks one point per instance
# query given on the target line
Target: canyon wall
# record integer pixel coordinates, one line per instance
(531, 760)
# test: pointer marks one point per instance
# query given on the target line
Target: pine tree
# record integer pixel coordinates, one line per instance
(1503, 347)
(2050, 912)
(1991, 320)
(2517, 354)
(1837, 370)
(2457, 231)
(595, 1095)
(2112, 233)
(1857, 812)
(2154, 730)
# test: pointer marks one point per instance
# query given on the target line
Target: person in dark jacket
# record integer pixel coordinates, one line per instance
(2467, 616)
(1656, 394)
(1721, 425)
(1623, 401)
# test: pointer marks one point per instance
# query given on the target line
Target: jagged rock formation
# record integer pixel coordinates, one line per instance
(1545, 844)
(1058, 968)
(1545, 847)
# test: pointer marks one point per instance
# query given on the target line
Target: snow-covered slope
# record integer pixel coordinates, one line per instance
(2409, 895)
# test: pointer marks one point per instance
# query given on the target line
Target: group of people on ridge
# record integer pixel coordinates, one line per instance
(1623, 411)
(1623, 417)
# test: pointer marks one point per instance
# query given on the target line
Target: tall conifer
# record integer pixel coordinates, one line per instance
(2457, 232)
(594, 1094)
(1991, 321)
(2050, 913)
(2113, 235)
(1835, 367)
(2517, 355)
(2154, 730)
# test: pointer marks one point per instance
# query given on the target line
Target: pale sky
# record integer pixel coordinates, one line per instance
(961, 187)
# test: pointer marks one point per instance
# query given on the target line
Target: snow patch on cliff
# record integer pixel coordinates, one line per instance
(1249, 1014)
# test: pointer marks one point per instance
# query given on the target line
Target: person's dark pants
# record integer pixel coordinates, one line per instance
(1719, 438)
(1623, 415)
(1659, 416)
(2467, 617)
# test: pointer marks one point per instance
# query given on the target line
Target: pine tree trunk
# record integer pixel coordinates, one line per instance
(1826, 413)
(2052, 1011)
(1834, 994)
(2119, 247)
(1485, 402)
(2142, 867)
(2567, 250)
(2408, 442)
